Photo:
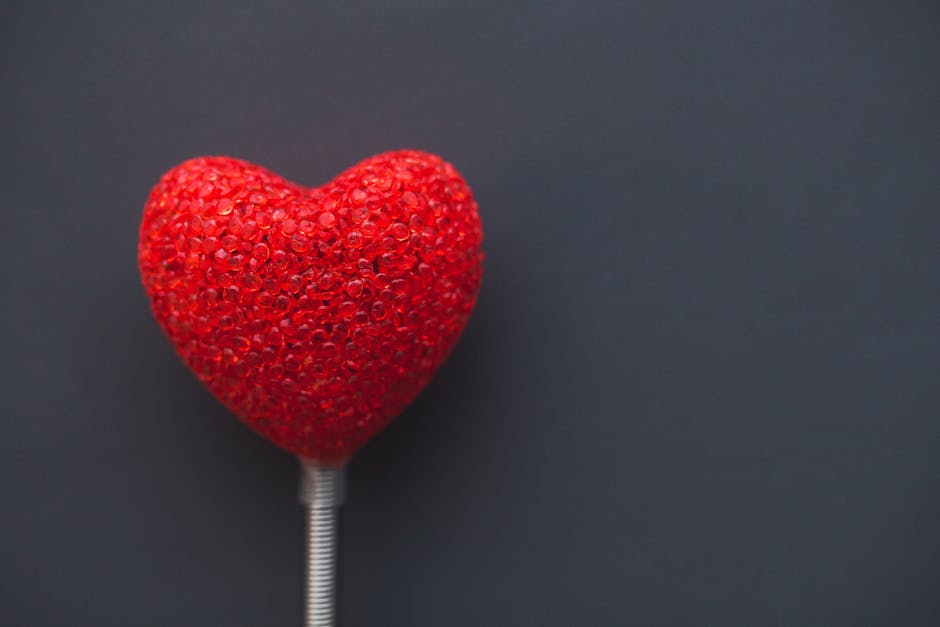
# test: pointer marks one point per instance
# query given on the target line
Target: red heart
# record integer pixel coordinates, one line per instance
(316, 315)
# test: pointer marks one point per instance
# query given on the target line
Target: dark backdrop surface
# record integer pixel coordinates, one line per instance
(700, 388)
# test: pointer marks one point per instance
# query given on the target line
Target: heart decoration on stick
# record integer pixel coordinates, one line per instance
(316, 315)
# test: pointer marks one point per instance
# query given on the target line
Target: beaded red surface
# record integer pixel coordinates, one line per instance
(316, 315)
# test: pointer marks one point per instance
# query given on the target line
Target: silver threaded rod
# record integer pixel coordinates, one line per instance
(322, 491)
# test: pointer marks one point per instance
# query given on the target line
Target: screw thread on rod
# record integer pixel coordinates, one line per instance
(322, 491)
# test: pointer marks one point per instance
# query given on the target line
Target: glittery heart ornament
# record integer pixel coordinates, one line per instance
(316, 315)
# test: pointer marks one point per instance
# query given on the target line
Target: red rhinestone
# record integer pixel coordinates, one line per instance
(318, 314)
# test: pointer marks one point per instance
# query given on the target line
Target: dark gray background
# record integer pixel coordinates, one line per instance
(700, 387)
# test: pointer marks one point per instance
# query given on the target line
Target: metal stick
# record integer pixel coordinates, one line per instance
(322, 491)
